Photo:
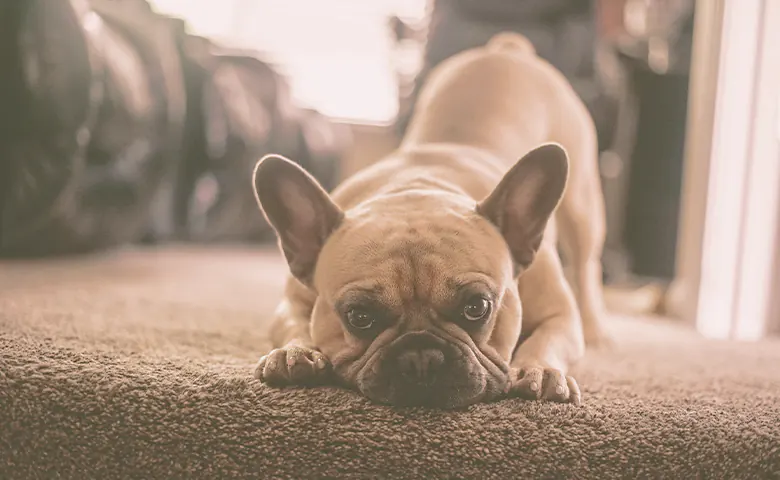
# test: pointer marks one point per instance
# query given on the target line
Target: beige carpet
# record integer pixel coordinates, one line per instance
(138, 365)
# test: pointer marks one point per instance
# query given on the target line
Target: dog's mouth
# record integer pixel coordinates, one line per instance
(424, 369)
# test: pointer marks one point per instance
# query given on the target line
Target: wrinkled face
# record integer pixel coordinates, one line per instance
(417, 302)
(420, 307)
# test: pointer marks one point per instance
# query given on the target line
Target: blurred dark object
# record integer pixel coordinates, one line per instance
(655, 177)
(119, 127)
(138, 131)
(654, 51)
(99, 124)
(49, 106)
(230, 104)
(240, 109)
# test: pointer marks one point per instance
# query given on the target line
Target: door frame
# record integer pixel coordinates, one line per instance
(729, 239)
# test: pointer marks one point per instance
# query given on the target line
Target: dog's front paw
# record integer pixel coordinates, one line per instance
(538, 383)
(293, 365)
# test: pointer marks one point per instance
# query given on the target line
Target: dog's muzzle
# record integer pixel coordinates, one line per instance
(421, 368)
(418, 367)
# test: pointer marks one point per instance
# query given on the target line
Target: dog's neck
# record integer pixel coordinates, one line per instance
(448, 168)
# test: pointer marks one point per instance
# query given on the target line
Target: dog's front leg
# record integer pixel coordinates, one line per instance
(552, 330)
(294, 359)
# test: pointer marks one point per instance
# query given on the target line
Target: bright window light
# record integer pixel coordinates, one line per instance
(337, 54)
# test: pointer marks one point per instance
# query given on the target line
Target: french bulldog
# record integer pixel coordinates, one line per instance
(432, 277)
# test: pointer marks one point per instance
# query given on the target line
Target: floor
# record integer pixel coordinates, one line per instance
(138, 363)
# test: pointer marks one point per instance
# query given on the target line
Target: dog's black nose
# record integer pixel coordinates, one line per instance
(420, 366)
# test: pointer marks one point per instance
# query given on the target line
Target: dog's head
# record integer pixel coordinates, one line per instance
(417, 297)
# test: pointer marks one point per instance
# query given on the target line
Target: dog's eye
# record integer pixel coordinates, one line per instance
(476, 308)
(360, 319)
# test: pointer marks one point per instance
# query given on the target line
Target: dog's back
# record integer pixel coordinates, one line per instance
(504, 99)
(501, 97)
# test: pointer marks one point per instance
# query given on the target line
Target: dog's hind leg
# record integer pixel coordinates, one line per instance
(581, 223)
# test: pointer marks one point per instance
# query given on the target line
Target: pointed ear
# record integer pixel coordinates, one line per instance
(298, 208)
(525, 199)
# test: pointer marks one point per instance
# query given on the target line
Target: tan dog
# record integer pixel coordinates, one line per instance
(407, 283)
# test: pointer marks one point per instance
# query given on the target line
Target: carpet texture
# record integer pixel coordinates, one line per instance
(138, 365)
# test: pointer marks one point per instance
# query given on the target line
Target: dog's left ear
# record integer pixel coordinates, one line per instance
(526, 198)
(299, 209)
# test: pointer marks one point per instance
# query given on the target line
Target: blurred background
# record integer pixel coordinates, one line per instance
(134, 122)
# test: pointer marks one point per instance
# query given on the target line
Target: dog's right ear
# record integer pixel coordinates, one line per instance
(298, 208)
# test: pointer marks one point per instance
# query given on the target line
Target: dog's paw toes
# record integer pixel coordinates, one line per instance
(538, 383)
(575, 395)
(292, 365)
(527, 383)
(556, 389)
